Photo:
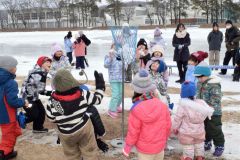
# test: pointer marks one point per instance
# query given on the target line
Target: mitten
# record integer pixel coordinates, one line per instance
(126, 150)
(180, 46)
(175, 131)
(99, 81)
(102, 146)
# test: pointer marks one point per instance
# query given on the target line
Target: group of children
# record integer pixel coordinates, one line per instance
(197, 121)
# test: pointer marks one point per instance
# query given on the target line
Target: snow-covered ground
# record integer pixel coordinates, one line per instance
(28, 46)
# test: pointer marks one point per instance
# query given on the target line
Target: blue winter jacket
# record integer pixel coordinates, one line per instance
(190, 74)
(9, 101)
(114, 69)
(68, 45)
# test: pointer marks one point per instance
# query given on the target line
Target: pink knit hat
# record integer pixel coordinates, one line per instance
(55, 47)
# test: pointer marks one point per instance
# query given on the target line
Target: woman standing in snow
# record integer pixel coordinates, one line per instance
(181, 41)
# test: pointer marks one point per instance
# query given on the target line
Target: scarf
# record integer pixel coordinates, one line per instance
(181, 34)
(144, 97)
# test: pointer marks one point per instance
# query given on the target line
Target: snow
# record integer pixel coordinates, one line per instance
(28, 46)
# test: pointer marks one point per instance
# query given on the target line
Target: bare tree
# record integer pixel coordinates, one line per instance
(57, 8)
(24, 11)
(160, 7)
(3, 19)
(40, 6)
(149, 11)
(128, 12)
(115, 7)
(11, 7)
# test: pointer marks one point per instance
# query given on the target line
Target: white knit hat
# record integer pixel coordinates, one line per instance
(158, 48)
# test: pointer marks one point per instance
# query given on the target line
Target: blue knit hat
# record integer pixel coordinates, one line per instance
(188, 89)
(202, 69)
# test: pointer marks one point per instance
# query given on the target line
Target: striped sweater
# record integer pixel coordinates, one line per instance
(69, 109)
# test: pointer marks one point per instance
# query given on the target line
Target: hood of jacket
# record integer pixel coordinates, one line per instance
(197, 110)
(149, 110)
(5, 76)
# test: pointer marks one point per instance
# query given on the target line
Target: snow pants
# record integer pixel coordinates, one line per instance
(116, 99)
(8, 136)
(192, 150)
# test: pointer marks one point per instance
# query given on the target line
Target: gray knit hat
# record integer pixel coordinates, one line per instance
(64, 81)
(8, 62)
(142, 82)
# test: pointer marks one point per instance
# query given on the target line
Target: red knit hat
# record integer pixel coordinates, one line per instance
(199, 55)
(42, 60)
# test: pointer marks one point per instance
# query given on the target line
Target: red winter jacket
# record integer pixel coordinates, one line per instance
(149, 126)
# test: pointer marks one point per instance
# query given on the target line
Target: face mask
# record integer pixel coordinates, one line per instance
(228, 26)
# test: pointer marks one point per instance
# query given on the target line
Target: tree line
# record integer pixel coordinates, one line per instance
(79, 13)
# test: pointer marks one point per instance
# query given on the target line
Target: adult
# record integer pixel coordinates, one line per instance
(68, 46)
(181, 40)
(215, 38)
(232, 37)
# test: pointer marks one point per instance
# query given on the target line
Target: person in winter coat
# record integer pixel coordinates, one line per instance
(142, 55)
(68, 46)
(9, 103)
(113, 63)
(215, 38)
(209, 90)
(68, 108)
(158, 39)
(236, 74)
(194, 59)
(79, 47)
(188, 122)
(181, 41)
(232, 38)
(149, 121)
(159, 75)
(59, 60)
(35, 84)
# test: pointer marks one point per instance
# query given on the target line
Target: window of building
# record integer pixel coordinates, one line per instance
(141, 12)
(34, 16)
(26, 16)
(147, 21)
(57, 14)
(49, 15)
(42, 15)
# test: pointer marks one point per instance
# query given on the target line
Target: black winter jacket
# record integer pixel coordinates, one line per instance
(232, 35)
(215, 39)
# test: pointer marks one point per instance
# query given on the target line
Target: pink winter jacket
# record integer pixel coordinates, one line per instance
(189, 120)
(79, 49)
(149, 126)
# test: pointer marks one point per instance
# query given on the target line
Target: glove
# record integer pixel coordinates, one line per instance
(102, 146)
(180, 46)
(175, 131)
(126, 150)
(171, 105)
(99, 81)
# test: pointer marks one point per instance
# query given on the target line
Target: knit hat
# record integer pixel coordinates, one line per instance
(202, 69)
(157, 32)
(8, 62)
(142, 42)
(199, 56)
(55, 47)
(80, 33)
(42, 60)
(157, 48)
(162, 64)
(229, 22)
(215, 24)
(188, 89)
(64, 81)
(142, 82)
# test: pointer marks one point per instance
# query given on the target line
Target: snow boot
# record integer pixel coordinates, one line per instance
(2, 157)
(218, 151)
(11, 155)
(207, 146)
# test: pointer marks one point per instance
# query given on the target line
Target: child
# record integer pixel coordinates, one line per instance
(9, 103)
(159, 76)
(158, 39)
(209, 89)
(236, 74)
(157, 51)
(142, 55)
(148, 122)
(58, 60)
(68, 46)
(34, 85)
(194, 59)
(68, 108)
(114, 64)
(188, 122)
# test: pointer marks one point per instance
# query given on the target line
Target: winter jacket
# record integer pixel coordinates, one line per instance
(140, 61)
(69, 109)
(149, 126)
(210, 92)
(35, 84)
(189, 120)
(215, 39)
(237, 57)
(79, 48)
(9, 101)
(190, 74)
(114, 68)
(68, 45)
(158, 41)
(181, 54)
(63, 63)
(232, 35)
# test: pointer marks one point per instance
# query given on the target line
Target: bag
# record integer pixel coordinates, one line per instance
(21, 117)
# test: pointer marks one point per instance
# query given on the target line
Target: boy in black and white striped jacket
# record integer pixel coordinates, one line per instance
(68, 107)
